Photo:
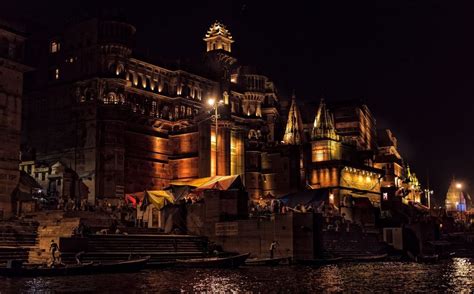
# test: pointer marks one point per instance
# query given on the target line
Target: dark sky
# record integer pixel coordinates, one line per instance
(412, 61)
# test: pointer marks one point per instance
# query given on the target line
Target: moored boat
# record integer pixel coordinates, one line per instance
(214, 262)
(125, 266)
(264, 261)
(30, 270)
(369, 258)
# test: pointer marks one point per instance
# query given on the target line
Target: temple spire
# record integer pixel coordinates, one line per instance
(294, 125)
(323, 127)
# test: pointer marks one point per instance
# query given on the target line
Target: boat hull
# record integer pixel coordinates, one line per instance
(71, 270)
(214, 262)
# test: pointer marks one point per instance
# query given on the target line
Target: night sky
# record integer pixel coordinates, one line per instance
(412, 61)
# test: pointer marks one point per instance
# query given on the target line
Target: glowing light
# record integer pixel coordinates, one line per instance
(459, 185)
(211, 101)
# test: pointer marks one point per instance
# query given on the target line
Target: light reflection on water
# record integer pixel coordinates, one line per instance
(454, 276)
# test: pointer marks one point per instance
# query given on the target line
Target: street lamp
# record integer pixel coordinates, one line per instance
(213, 103)
(428, 194)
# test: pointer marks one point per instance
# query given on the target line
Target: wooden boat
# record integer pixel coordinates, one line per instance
(32, 270)
(369, 258)
(319, 262)
(126, 266)
(264, 261)
(214, 262)
(75, 269)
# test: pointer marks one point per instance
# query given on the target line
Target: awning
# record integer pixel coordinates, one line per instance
(216, 182)
(160, 198)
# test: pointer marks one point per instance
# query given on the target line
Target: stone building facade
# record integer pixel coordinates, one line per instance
(11, 90)
(124, 124)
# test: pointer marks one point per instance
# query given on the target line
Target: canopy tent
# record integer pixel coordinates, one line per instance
(306, 197)
(160, 198)
(134, 198)
(216, 182)
(180, 189)
(179, 192)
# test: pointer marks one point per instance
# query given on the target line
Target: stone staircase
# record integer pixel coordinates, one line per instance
(52, 225)
(120, 247)
(17, 239)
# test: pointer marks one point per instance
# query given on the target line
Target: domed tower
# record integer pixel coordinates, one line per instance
(294, 125)
(116, 38)
(325, 142)
(218, 48)
(218, 37)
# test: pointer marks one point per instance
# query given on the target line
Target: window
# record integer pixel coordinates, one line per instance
(56, 74)
(54, 47)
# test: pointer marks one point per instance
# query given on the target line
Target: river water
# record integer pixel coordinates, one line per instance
(451, 276)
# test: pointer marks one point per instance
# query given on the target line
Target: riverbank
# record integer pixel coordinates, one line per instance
(452, 276)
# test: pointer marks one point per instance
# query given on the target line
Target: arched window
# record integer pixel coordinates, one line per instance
(165, 90)
(186, 91)
(176, 112)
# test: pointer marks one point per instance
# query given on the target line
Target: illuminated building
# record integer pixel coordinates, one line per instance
(11, 90)
(124, 124)
(294, 126)
(336, 165)
(412, 186)
(389, 159)
(354, 121)
(455, 200)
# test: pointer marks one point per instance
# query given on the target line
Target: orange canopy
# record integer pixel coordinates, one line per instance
(216, 182)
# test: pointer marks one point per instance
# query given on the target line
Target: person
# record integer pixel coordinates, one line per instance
(53, 248)
(273, 246)
(78, 257)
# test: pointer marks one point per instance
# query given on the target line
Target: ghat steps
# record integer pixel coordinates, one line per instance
(158, 247)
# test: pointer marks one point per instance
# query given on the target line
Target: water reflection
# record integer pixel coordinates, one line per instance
(454, 276)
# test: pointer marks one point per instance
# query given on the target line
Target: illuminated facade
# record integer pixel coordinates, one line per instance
(11, 90)
(336, 165)
(455, 200)
(124, 124)
(389, 159)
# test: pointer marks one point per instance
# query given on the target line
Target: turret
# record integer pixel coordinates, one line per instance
(294, 126)
(218, 37)
(323, 127)
(325, 142)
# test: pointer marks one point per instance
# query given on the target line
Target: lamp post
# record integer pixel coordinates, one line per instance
(428, 194)
(213, 103)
